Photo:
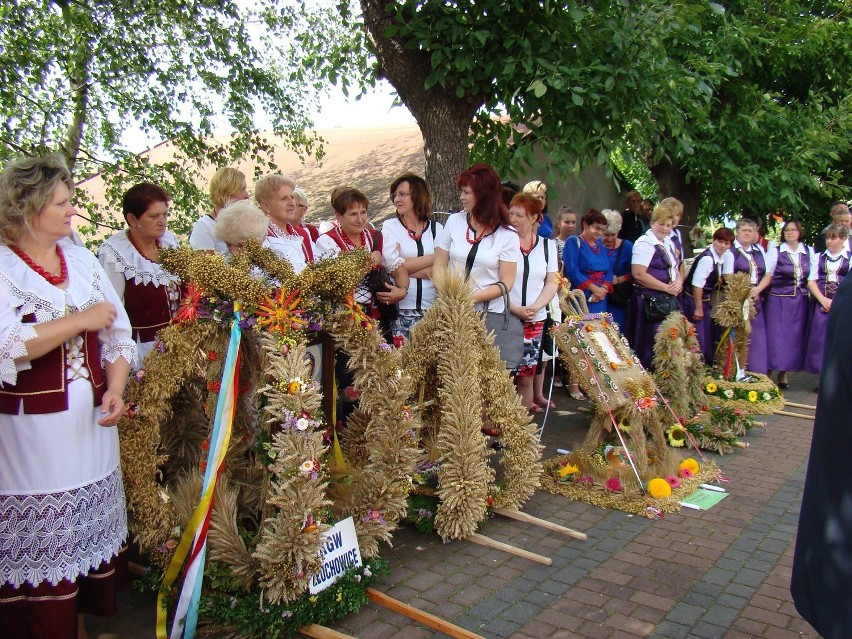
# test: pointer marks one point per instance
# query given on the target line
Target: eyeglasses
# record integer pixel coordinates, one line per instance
(301, 206)
(399, 194)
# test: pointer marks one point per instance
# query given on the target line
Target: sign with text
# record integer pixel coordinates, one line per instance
(339, 553)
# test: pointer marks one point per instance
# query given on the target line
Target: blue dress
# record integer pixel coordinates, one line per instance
(620, 263)
(584, 265)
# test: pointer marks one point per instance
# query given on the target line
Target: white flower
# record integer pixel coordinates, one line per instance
(303, 424)
(307, 466)
(729, 393)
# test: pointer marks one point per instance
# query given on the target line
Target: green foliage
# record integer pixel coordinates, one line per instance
(78, 80)
(421, 513)
(250, 616)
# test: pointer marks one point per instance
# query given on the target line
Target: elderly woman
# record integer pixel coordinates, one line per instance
(301, 211)
(275, 194)
(538, 190)
(129, 257)
(656, 277)
(705, 278)
(586, 264)
(535, 285)
(65, 354)
(787, 304)
(238, 223)
(749, 257)
(409, 238)
(618, 252)
(227, 185)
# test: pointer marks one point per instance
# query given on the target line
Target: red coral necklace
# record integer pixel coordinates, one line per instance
(139, 249)
(56, 280)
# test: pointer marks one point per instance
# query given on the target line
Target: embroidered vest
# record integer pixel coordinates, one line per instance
(148, 307)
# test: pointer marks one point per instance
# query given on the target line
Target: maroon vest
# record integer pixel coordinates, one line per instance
(148, 308)
(44, 387)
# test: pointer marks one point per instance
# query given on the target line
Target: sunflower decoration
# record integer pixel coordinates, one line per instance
(711, 388)
(676, 434)
(280, 313)
(752, 396)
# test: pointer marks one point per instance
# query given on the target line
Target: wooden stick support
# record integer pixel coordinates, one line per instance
(799, 415)
(741, 444)
(482, 540)
(795, 405)
(521, 516)
(321, 632)
(427, 619)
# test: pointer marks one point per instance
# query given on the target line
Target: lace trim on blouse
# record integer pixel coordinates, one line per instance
(11, 349)
(121, 255)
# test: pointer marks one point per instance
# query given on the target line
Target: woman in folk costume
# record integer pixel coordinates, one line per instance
(827, 272)
(585, 261)
(703, 279)
(129, 257)
(749, 257)
(65, 355)
(535, 286)
(787, 306)
(410, 237)
(655, 274)
(275, 194)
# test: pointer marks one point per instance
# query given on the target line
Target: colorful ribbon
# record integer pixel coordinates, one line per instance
(194, 540)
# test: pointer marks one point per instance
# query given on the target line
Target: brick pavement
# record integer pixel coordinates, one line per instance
(719, 573)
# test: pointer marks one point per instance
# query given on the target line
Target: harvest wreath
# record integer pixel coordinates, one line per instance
(279, 485)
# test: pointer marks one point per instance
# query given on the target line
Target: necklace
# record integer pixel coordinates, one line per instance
(412, 234)
(595, 248)
(533, 244)
(138, 248)
(56, 280)
(475, 239)
(350, 245)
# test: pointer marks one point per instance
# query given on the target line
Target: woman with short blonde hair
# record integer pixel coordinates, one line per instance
(226, 185)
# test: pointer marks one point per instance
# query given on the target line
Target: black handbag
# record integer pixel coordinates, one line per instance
(657, 307)
(376, 280)
(508, 331)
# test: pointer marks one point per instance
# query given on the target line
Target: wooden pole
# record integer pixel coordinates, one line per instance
(799, 415)
(321, 632)
(482, 540)
(741, 444)
(521, 516)
(427, 619)
(795, 405)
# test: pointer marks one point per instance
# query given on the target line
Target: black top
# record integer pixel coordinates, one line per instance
(632, 226)
(822, 564)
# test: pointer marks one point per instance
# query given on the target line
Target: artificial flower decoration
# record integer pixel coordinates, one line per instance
(280, 314)
(188, 311)
(752, 396)
(567, 470)
(646, 403)
(690, 464)
(729, 393)
(686, 473)
(295, 386)
(659, 488)
(676, 435)
(711, 388)
(356, 313)
(673, 481)
(613, 484)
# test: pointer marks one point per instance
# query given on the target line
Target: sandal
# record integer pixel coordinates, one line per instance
(578, 395)
(545, 403)
(535, 409)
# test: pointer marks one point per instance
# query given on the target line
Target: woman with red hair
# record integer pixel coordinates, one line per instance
(479, 239)
(535, 286)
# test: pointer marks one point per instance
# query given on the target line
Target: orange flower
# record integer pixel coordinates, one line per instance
(613, 365)
(281, 314)
(188, 309)
(588, 328)
(673, 332)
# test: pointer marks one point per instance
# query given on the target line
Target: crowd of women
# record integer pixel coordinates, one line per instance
(73, 326)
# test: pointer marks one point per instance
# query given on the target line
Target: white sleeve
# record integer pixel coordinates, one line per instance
(112, 267)
(510, 247)
(325, 248)
(814, 274)
(771, 257)
(391, 255)
(201, 238)
(702, 271)
(728, 263)
(444, 238)
(643, 252)
(117, 339)
(552, 258)
(13, 337)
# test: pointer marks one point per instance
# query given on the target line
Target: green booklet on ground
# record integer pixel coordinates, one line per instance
(702, 499)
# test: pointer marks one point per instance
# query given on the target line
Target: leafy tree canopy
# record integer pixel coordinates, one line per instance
(75, 77)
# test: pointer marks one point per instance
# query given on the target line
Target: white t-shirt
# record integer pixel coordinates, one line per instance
(706, 265)
(502, 245)
(645, 247)
(397, 246)
(770, 258)
(202, 238)
(540, 269)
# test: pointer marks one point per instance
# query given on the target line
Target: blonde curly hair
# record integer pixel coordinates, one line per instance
(27, 186)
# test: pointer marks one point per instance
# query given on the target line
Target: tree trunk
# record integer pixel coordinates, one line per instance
(672, 182)
(444, 119)
(80, 80)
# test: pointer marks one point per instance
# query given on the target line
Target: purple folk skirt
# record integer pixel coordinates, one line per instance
(786, 331)
(816, 339)
(758, 361)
